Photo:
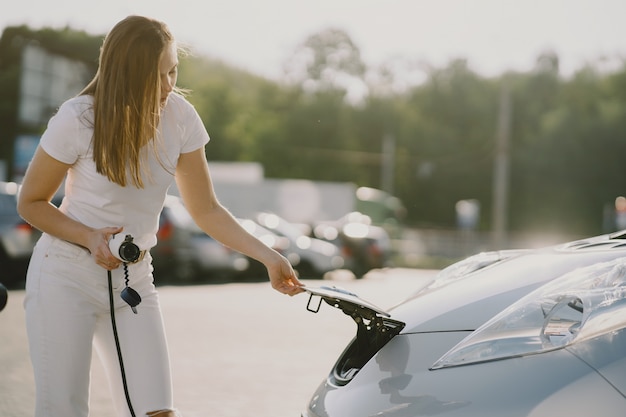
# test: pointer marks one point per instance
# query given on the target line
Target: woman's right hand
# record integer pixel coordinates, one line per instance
(43, 178)
(282, 276)
(98, 246)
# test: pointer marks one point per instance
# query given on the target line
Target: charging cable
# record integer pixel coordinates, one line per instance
(125, 250)
(117, 342)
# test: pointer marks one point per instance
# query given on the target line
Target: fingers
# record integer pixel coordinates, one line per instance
(110, 231)
(108, 263)
(290, 286)
(290, 291)
(102, 254)
(295, 290)
(110, 266)
(284, 279)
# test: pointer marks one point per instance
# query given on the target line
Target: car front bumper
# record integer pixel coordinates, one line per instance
(398, 383)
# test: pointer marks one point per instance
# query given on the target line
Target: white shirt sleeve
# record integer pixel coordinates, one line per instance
(195, 136)
(69, 132)
(62, 135)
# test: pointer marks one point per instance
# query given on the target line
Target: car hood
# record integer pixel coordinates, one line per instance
(466, 303)
(454, 305)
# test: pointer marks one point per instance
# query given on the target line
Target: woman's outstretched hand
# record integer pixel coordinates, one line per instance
(283, 278)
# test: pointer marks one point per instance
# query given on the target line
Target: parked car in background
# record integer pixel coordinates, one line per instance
(310, 257)
(184, 253)
(363, 246)
(529, 333)
(257, 270)
(17, 238)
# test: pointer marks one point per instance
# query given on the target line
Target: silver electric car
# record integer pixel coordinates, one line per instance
(533, 333)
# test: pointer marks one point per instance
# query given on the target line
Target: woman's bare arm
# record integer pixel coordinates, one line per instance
(196, 189)
(43, 178)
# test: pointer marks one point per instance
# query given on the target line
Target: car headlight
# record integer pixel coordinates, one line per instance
(579, 305)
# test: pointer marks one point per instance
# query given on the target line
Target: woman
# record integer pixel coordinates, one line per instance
(121, 143)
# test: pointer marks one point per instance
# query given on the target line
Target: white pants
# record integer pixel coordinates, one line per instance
(67, 313)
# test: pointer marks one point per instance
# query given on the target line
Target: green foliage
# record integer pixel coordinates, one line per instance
(566, 135)
(72, 44)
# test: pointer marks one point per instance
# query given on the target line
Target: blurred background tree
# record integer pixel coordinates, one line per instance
(331, 115)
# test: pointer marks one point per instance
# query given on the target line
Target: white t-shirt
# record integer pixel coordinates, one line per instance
(91, 198)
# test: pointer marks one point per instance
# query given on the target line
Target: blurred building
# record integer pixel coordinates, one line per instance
(39, 70)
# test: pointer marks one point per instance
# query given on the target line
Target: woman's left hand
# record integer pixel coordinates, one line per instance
(283, 278)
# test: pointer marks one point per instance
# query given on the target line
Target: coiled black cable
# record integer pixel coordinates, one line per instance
(117, 341)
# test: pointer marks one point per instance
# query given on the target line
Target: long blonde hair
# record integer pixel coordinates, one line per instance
(127, 92)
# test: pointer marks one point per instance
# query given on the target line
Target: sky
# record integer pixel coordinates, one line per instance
(260, 35)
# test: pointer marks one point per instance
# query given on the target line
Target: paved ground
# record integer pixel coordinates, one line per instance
(237, 349)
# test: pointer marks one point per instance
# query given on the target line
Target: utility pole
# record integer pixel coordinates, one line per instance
(388, 162)
(501, 170)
